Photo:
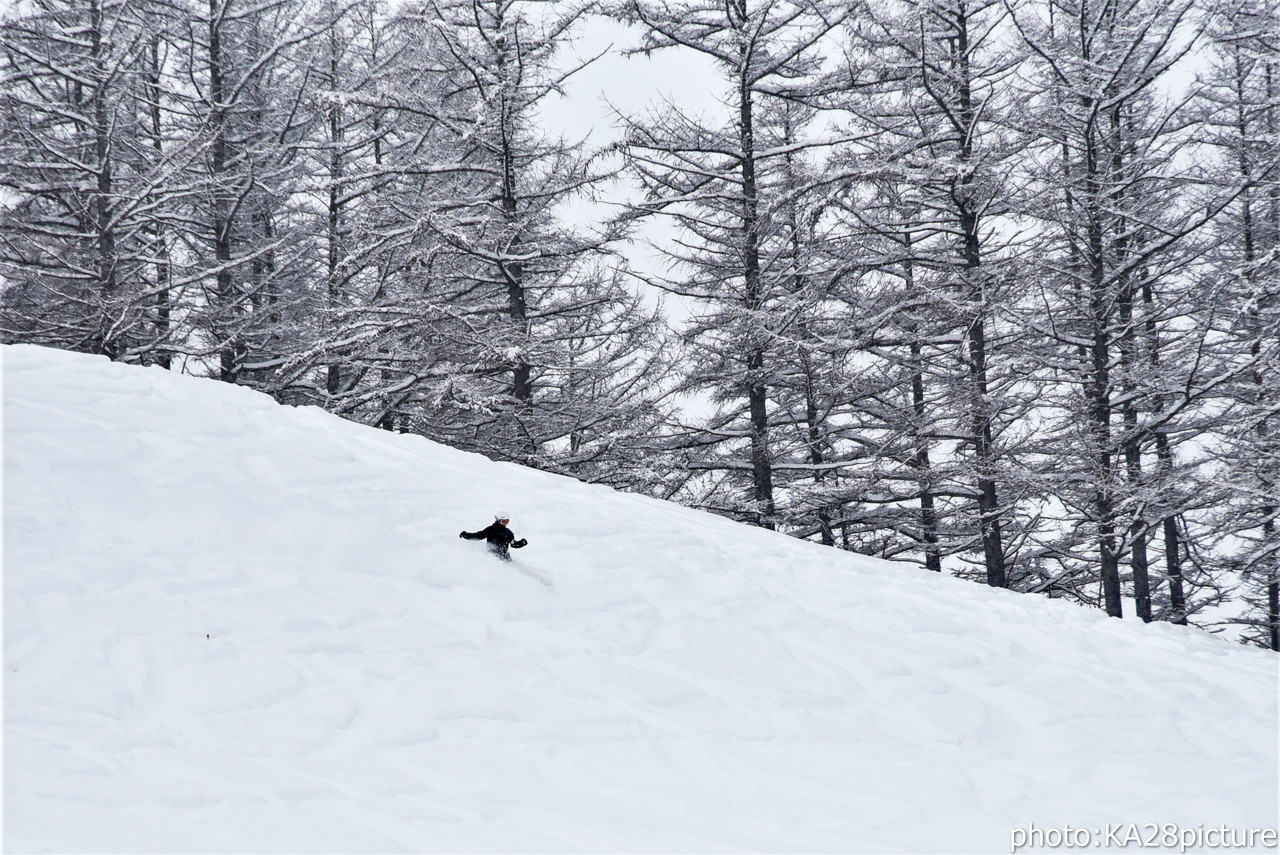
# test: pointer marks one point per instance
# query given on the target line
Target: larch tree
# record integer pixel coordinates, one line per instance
(1116, 220)
(473, 309)
(246, 105)
(557, 351)
(721, 179)
(1241, 98)
(86, 183)
(938, 153)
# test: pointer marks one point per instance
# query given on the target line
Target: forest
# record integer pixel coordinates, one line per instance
(989, 286)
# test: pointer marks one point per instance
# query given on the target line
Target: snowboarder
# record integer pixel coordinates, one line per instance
(498, 535)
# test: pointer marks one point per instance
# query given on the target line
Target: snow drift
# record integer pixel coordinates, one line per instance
(236, 626)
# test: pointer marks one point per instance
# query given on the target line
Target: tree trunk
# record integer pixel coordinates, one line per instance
(1269, 511)
(1164, 464)
(1139, 561)
(333, 257)
(757, 390)
(923, 465)
(164, 274)
(1098, 390)
(974, 277)
(988, 502)
(229, 358)
(513, 271)
(104, 227)
(1172, 541)
(1273, 586)
(814, 436)
(921, 460)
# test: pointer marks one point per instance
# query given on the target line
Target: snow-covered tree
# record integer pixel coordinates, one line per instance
(244, 100)
(87, 178)
(933, 198)
(1125, 339)
(1241, 96)
(727, 181)
(463, 303)
(542, 303)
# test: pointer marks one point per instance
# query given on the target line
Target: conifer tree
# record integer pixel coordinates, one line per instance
(1117, 220)
(721, 179)
(1242, 104)
(86, 179)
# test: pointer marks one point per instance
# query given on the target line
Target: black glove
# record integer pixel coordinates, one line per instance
(462, 534)
(519, 543)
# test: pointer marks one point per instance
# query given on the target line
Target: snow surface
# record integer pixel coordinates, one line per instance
(233, 626)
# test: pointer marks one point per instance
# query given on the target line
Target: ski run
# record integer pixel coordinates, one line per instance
(232, 626)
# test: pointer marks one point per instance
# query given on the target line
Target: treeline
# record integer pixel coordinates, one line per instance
(989, 286)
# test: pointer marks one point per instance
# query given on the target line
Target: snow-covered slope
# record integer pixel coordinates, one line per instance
(235, 626)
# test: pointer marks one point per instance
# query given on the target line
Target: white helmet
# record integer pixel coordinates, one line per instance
(502, 517)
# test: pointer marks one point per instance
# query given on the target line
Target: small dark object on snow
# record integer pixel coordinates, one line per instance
(499, 537)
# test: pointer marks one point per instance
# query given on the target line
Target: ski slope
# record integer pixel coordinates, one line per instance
(231, 626)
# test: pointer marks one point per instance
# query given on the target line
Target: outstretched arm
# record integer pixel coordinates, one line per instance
(517, 544)
(470, 535)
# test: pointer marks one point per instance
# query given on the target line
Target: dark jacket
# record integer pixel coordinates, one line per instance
(498, 535)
